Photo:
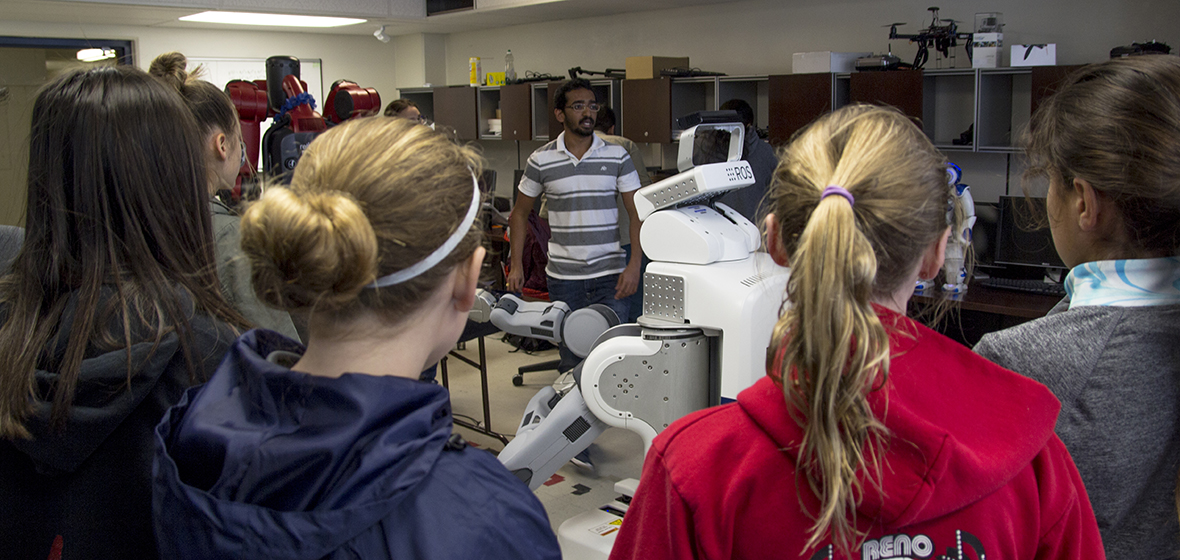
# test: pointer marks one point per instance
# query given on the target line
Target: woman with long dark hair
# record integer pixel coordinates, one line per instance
(111, 311)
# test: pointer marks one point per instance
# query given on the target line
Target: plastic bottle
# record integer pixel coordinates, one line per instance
(509, 68)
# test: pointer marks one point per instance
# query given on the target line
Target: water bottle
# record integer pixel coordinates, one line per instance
(509, 68)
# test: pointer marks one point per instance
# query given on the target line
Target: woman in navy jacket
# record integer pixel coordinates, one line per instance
(339, 450)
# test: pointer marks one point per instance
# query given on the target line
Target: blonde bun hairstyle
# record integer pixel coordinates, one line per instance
(368, 198)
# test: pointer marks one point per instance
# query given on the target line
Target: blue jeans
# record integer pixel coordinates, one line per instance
(581, 293)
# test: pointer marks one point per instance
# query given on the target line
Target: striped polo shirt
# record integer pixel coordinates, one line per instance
(583, 217)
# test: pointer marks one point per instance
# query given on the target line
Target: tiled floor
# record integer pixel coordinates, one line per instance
(616, 454)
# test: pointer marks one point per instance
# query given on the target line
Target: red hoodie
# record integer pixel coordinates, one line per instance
(972, 470)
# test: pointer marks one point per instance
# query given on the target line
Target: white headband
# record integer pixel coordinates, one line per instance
(439, 254)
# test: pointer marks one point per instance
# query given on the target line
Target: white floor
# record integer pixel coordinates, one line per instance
(616, 454)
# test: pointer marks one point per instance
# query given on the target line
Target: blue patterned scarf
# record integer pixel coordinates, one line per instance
(1125, 283)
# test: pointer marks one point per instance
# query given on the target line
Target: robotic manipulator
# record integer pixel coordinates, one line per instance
(283, 96)
(710, 302)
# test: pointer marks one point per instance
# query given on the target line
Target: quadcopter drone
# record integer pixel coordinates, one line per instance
(943, 35)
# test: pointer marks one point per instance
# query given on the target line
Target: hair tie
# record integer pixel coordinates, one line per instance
(439, 254)
(838, 190)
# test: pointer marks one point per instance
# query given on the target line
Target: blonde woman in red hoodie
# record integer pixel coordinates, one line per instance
(872, 437)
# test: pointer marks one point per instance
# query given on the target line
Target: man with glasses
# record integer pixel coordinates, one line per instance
(580, 175)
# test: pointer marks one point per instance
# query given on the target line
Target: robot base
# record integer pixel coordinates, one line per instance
(591, 535)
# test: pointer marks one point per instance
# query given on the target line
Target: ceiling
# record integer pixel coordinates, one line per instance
(500, 13)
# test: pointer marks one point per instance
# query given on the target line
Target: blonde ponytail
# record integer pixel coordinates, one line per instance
(829, 349)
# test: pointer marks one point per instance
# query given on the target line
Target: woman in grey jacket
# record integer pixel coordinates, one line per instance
(1108, 142)
(225, 153)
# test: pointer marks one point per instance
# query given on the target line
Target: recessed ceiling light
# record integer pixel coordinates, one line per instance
(278, 20)
(95, 55)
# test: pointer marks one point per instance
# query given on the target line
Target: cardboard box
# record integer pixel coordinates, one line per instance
(647, 67)
(825, 61)
(1034, 55)
(987, 50)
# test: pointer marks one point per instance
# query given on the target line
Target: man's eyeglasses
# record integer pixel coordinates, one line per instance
(243, 163)
(582, 106)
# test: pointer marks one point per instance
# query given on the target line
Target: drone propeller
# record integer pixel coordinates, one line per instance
(894, 24)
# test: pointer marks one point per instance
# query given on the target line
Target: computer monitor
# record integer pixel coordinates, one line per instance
(983, 233)
(1017, 241)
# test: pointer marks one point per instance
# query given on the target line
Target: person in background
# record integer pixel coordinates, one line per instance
(871, 436)
(580, 175)
(404, 109)
(1107, 142)
(341, 449)
(224, 154)
(111, 310)
(605, 129)
(750, 201)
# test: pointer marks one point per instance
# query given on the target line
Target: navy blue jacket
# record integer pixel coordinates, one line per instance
(266, 462)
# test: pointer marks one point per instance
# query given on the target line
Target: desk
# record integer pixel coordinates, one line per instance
(475, 330)
(982, 310)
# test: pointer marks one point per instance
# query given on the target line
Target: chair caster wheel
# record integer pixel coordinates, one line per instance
(518, 380)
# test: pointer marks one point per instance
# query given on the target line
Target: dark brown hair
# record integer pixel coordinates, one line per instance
(116, 213)
(1117, 125)
(398, 105)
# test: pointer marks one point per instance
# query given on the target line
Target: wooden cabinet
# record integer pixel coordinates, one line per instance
(901, 89)
(516, 112)
(797, 99)
(647, 105)
(960, 109)
(455, 107)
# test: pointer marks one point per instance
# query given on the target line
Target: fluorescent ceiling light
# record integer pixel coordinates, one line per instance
(95, 55)
(278, 20)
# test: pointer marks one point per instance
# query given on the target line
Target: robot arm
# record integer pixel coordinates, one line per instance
(633, 378)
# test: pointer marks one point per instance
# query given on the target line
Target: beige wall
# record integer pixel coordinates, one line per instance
(22, 73)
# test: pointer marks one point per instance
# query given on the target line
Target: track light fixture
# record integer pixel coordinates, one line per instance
(380, 35)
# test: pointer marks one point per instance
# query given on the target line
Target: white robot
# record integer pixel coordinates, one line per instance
(960, 215)
(710, 302)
